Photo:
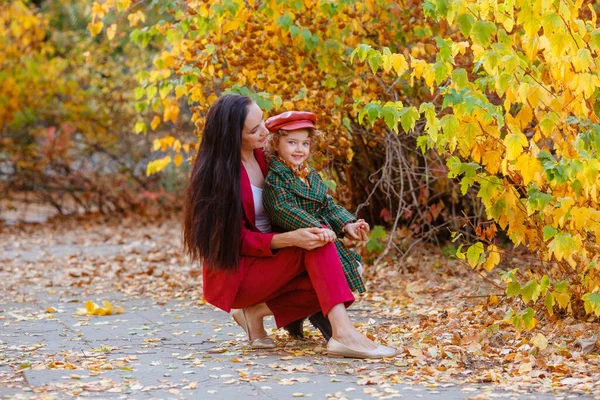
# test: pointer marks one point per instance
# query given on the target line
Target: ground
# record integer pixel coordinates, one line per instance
(162, 341)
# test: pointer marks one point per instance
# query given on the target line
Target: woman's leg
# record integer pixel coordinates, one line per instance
(271, 277)
(290, 294)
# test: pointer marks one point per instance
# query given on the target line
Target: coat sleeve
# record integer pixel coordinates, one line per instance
(283, 208)
(337, 216)
(254, 244)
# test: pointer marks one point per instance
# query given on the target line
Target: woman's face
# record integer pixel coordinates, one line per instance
(254, 133)
(294, 147)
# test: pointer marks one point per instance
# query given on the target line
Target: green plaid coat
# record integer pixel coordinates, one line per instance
(291, 204)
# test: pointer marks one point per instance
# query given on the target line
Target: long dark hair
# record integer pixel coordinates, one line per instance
(213, 205)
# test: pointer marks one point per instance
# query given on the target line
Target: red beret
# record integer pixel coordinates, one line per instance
(291, 120)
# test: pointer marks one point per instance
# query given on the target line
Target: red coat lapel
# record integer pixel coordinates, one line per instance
(246, 189)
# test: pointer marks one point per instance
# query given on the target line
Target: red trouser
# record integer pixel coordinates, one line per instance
(295, 283)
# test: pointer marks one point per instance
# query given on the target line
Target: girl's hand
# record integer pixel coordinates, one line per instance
(358, 230)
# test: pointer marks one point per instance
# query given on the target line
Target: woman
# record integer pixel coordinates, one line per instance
(289, 275)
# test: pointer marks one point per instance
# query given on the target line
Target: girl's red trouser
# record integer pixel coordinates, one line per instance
(295, 283)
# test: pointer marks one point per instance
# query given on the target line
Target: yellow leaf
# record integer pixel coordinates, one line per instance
(123, 4)
(180, 90)
(177, 145)
(579, 217)
(108, 306)
(399, 63)
(111, 31)
(529, 167)
(90, 306)
(51, 310)
(95, 27)
(540, 341)
(562, 299)
(514, 143)
(155, 122)
(157, 165)
(386, 62)
(231, 25)
(136, 18)
(493, 258)
(171, 111)
(177, 160)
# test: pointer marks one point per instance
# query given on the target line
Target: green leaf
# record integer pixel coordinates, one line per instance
(449, 124)
(375, 61)
(459, 76)
(595, 40)
(561, 286)
(361, 51)
(295, 31)
(140, 127)
(591, 302)
(489, 187)
(530, 291)
(544, 285)
(375, 236)
(465, 24)
(165, 89)
(563, 245)
(529, 319)
(549, 232)
(151, 91)
(513, 289)
(497, 210)
(474, 254)
(549, 303)
(441, 71)
(139, 92)
(408, 118)
(390, 116)
(482, 32)
(285, 21)
(378, 232)
(424, 143)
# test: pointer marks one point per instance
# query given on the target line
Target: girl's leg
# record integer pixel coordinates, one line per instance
(344, 331)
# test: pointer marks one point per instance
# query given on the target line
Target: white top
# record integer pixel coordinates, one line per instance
(263, 223)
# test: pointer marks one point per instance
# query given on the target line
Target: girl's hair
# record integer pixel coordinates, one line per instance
(213, 205)
(273, 140)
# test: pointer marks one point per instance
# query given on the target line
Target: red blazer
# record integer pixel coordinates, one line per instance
(221, 287)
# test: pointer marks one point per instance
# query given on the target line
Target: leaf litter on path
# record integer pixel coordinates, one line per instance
(438, 316)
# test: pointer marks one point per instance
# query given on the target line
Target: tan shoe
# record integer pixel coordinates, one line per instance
(239, 316)
(337, 350)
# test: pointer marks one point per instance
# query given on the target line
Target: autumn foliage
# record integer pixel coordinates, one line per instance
(516, 111)
(67, 111)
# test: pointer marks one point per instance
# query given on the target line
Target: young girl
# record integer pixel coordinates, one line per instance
(295, 196)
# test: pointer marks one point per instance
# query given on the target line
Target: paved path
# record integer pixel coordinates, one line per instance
(179, 350)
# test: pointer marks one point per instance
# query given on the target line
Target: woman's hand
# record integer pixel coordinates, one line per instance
(306, 238)
(312, 238)
(358, 230)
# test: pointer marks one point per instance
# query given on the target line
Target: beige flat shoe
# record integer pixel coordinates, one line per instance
(337, 350)
(239, 316)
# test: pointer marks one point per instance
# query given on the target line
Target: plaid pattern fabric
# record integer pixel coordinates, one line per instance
(291, 204)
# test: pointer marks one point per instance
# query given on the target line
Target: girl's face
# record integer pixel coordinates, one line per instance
(294, 147)
(254, 133)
